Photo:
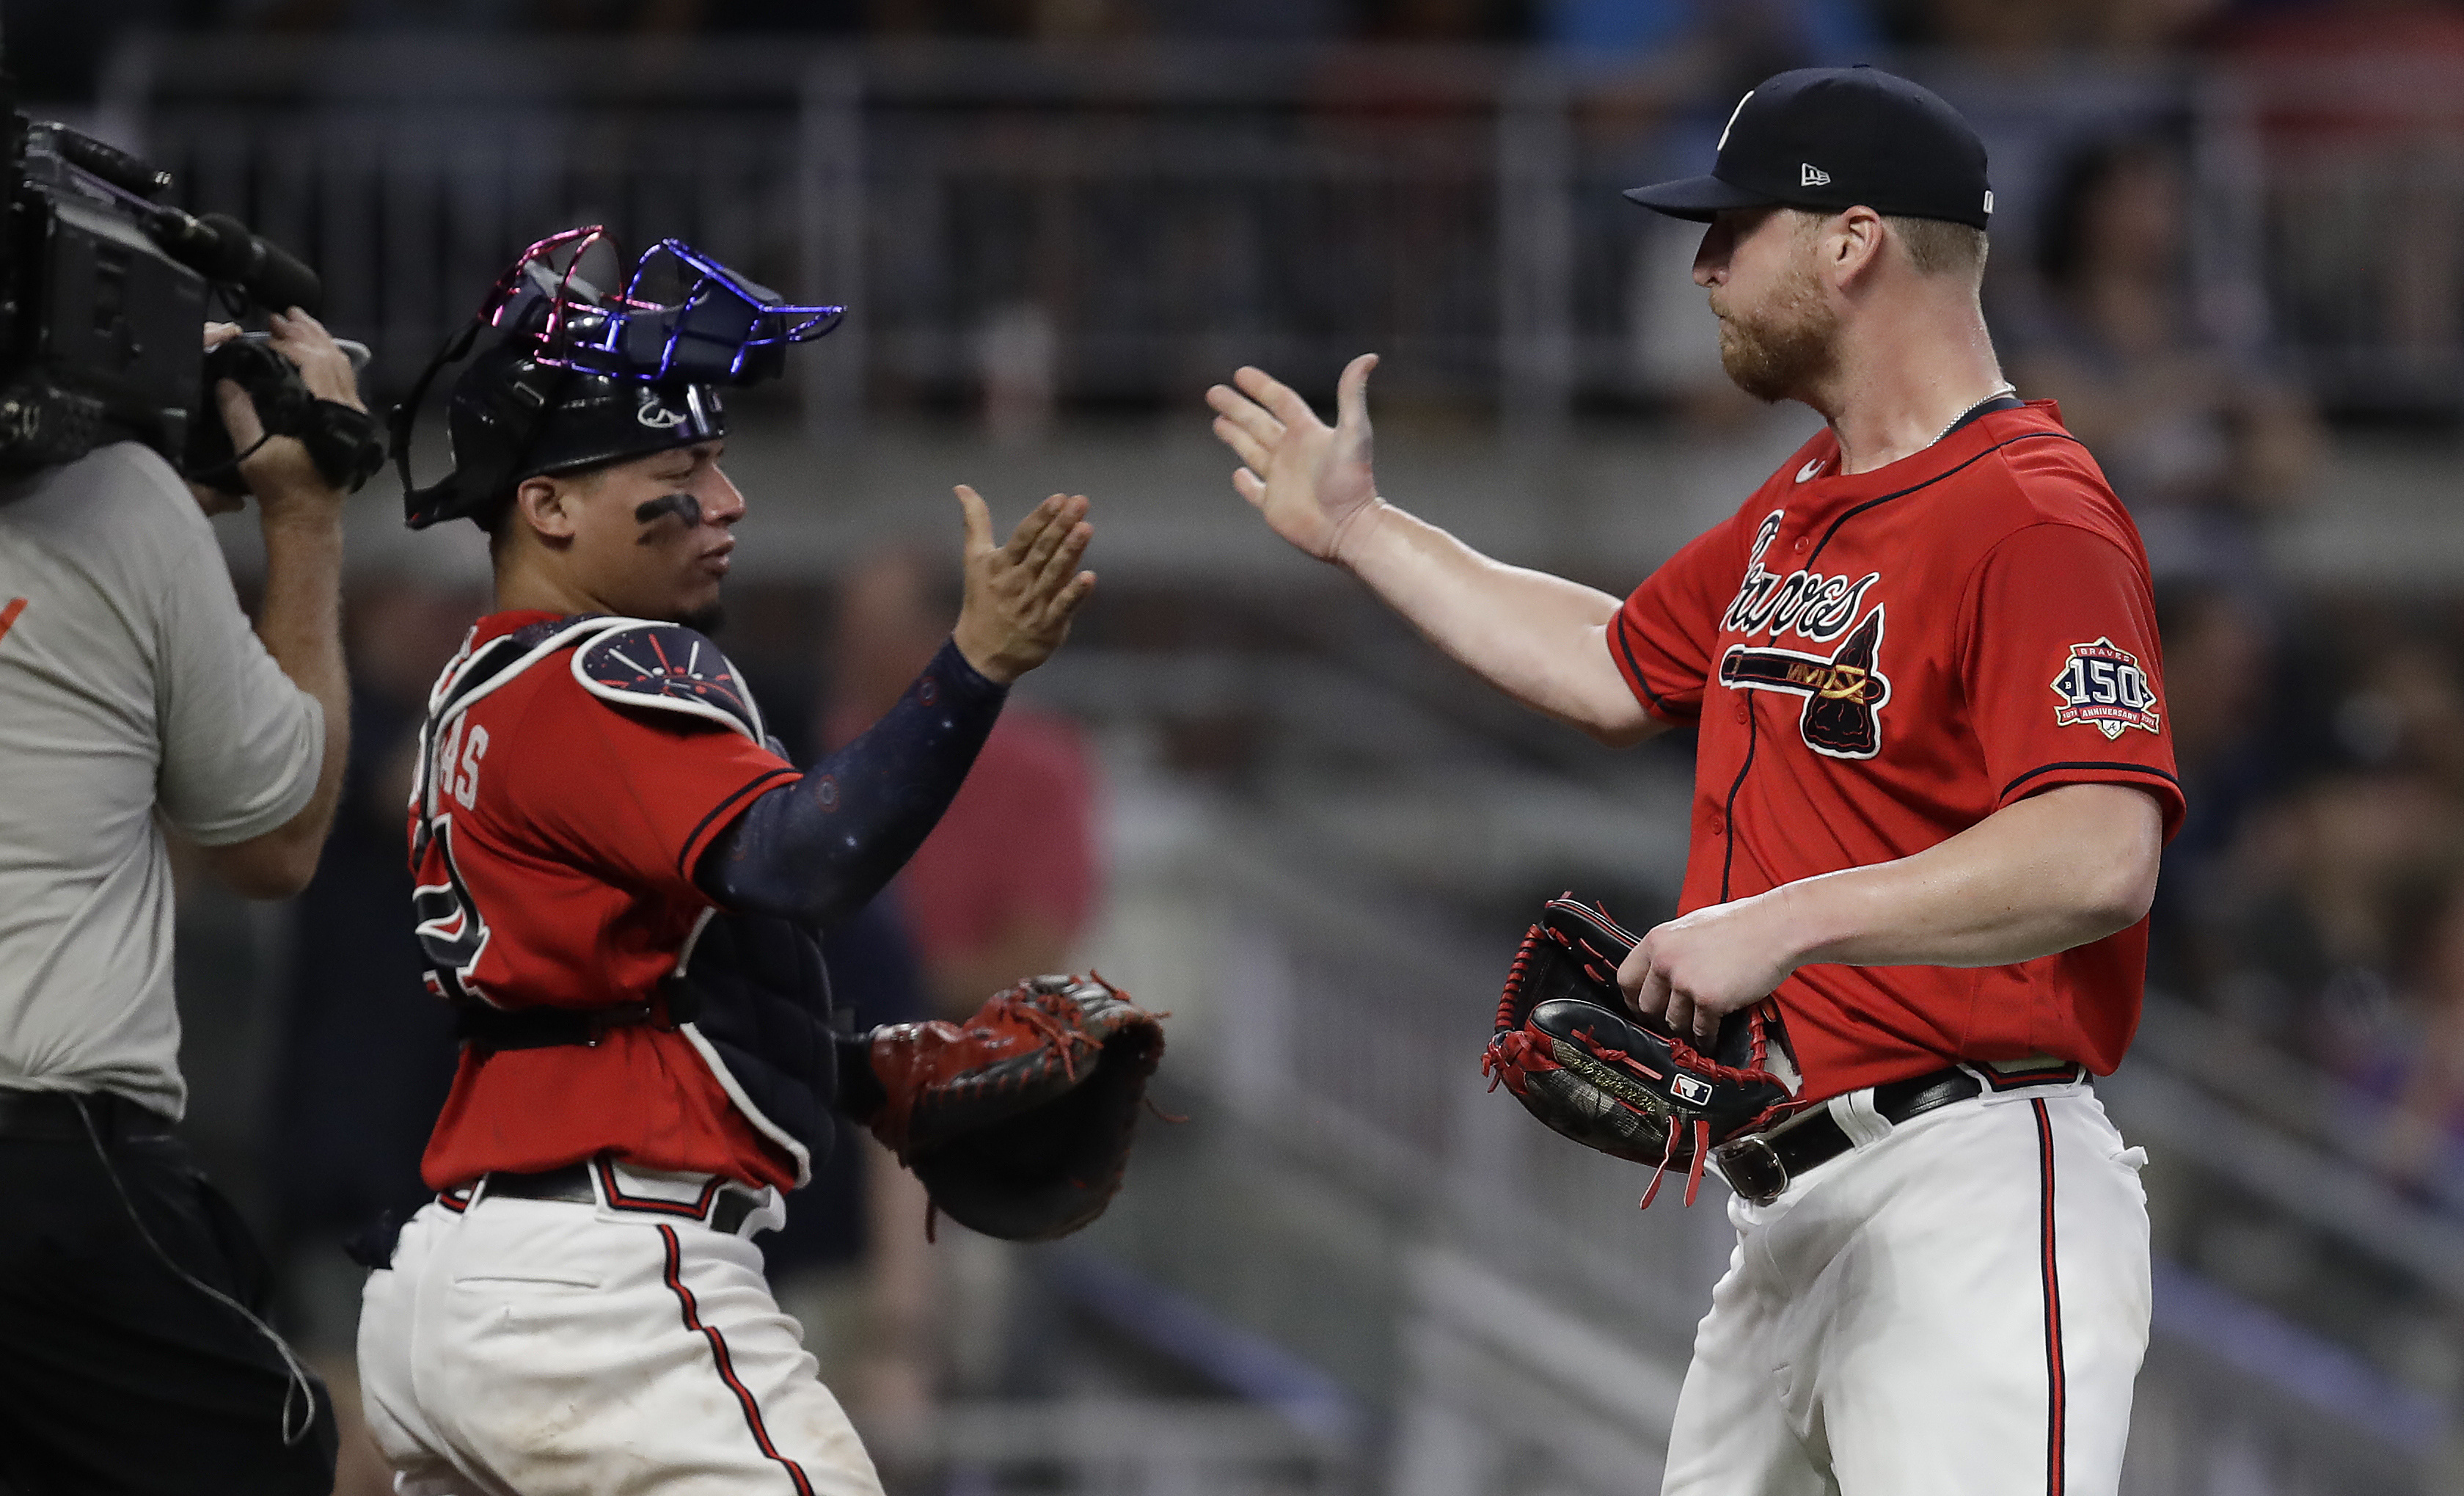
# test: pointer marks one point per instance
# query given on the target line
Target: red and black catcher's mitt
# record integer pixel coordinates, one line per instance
(1017, 1121)
(1579, 1059)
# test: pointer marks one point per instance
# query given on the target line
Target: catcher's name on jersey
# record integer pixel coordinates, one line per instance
(554, 869)
(1877, 662)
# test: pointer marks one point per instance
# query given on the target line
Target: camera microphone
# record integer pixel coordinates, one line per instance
(221, 248)
(110, 163)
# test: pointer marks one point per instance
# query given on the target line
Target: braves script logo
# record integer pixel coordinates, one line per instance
(2102, 684)
(1843, 689)
(1803, 602)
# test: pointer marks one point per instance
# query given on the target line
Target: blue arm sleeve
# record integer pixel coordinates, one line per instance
(817, 849)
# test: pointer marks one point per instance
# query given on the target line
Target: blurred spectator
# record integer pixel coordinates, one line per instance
(2196, 439)
(1444, 20)
(1005, 884)
(366, 1053)
(2421, 1144)
(2356, 102)
(1018, 355)
(2324, 902)
(2026, 26)
(2217, 673)
(1755, 37)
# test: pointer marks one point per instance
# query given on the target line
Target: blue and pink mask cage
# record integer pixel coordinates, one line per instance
(724, 329)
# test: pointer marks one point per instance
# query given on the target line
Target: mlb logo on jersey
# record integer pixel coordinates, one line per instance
(2102, 684)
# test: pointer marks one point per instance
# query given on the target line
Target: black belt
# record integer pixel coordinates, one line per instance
(1760, 1165)
(488, 1029)
(572, 1184)
(52, 1116)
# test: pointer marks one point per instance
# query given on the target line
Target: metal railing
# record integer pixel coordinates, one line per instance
(1124, 224)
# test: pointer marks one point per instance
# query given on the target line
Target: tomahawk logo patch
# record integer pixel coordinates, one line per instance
(2102, 684)
(656, 413)
(1843, 692)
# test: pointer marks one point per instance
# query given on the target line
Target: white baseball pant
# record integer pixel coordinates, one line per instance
(1957, 1306)
(538, 1348)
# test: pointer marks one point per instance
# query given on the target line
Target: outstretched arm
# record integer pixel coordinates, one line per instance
(2040, 875)
(819, 849)
(1540, 639)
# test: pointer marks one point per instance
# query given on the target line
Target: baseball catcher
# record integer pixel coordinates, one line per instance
(618, 883)
(1572, 1051)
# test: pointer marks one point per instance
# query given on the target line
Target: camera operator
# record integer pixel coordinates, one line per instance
(133, 696)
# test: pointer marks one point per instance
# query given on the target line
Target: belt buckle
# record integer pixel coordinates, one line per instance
(1752, 1168)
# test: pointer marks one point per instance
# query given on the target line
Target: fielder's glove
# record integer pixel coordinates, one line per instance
(1019, 1120)
(1579, 1059)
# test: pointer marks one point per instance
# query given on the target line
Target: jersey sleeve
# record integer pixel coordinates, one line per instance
(637, 793)
(2063, 668)
(1663, 638)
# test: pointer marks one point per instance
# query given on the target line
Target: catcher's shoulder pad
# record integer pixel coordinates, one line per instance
(668, 667)
(1017, 1121)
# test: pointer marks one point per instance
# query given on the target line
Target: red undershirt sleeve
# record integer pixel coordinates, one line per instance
(2063, 672)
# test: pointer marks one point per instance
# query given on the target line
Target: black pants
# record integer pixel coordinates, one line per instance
(115, 1375)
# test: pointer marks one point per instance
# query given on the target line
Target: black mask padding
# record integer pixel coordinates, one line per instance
(511, 417)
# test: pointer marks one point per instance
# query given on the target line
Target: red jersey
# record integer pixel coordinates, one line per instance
(1877, 662)
(567, 829)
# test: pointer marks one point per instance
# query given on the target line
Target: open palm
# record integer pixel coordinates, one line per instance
(1312, 481)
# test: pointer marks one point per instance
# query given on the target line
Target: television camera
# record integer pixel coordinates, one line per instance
(104, 293)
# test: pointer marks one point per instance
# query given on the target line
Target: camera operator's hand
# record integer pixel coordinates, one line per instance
(280, 471)
(213, 500)
(300, 612)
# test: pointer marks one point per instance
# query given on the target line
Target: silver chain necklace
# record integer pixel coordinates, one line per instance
(2006, 387)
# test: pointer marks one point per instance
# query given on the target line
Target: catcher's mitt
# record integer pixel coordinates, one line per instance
(1019, 1121)
(1579, 1059)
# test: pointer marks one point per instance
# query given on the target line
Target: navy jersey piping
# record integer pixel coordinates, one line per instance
(1927, 483)
(733, 801)
(2090, 763)
(1753, 720)
(1633, 671)
(1729, 829)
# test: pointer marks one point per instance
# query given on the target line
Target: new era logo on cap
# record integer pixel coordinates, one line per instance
(1886, 145)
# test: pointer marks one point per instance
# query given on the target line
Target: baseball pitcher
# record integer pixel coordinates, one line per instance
(1932, 780)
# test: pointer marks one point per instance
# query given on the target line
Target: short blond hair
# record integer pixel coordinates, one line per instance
(1939, 246)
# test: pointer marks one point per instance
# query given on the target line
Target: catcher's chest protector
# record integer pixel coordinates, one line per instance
(749, 992)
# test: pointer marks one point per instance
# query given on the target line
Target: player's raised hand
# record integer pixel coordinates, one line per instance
(1696, 970)
(1022, 596)
(1311, 480)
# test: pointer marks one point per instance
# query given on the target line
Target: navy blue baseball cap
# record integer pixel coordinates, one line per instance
(1834, 138)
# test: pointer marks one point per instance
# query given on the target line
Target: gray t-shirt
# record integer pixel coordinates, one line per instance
(129, 679)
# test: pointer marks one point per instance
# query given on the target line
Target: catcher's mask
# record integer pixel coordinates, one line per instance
(580, 377)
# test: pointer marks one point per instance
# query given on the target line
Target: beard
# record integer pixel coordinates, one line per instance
(706, 619)
(1785, 348)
